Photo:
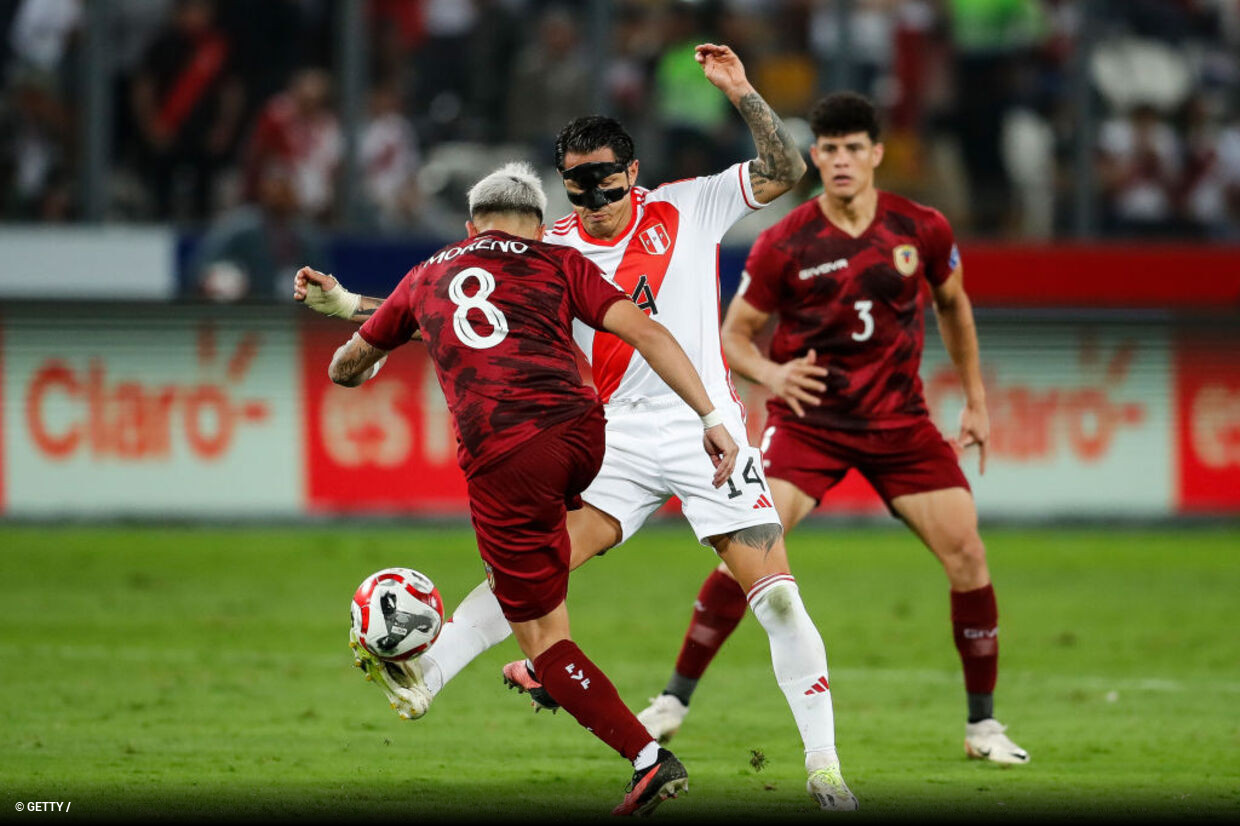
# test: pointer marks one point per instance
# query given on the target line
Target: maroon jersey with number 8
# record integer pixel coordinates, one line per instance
(858, 302)
(496, 315)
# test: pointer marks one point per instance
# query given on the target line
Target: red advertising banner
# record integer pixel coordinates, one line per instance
(1208, 426)
(384, 447)
(1103, 275)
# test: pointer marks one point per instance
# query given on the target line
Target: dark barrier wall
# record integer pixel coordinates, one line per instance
(1087, 275)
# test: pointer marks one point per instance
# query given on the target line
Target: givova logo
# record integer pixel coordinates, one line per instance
(823, 269)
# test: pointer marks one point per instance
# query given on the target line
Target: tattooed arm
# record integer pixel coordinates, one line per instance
(779, 164)
(366, 307)
(355, 361)
(324, 294)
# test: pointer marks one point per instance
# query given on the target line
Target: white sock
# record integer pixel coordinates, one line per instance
(646, 757)
(476, 625)
(821, 759)
(799, 660)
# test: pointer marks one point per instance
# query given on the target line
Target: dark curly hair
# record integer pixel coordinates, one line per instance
(592, 132)
(844, 113)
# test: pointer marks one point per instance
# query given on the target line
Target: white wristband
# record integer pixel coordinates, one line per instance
(711, 419)
(337, 302)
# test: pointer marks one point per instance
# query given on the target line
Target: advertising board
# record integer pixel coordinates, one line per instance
(151, 413)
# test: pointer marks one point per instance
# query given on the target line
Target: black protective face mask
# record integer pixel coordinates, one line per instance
(588, 176)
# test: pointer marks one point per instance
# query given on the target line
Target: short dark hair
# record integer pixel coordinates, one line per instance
(585, 135)
(844, 113)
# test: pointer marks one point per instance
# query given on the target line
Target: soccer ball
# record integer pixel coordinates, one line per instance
(396, 613)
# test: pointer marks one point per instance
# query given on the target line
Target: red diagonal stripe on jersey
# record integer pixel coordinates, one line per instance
(611, 356)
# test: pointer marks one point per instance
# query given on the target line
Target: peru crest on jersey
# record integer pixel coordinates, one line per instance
(655, 239)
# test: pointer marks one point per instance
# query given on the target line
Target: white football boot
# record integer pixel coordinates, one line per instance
(985, 740)
(828, 788)
(402, 682)
(662, 718)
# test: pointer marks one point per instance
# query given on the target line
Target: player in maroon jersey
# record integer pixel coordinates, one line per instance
(844, 274)
(496, 312)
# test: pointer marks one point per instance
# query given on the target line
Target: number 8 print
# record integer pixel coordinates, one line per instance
(478, 301)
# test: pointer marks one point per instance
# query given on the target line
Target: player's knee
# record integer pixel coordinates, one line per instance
(591, 532)
(964, 557)
(777, 605)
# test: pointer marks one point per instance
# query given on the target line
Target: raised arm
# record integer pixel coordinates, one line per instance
(666, 358)
(959, 334)
(779, 164)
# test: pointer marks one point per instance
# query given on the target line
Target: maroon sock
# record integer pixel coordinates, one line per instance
(719, 609)
(975, 625)
(585, 692)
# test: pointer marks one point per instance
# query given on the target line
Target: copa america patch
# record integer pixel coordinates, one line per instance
(953, 260)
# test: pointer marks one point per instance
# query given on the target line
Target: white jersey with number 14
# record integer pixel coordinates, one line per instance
(667, 260)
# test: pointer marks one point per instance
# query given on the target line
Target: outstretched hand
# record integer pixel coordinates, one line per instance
(722, 68)
(722, 450)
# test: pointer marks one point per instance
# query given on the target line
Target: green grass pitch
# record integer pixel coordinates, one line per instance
(180, 673)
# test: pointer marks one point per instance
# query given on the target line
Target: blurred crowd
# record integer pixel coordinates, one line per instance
(225, 113)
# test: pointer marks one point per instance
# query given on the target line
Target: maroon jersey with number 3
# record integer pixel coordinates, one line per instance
(858, 302)
(496, 315)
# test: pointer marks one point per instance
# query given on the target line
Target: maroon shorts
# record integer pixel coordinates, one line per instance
(896, 461)
(519, 506)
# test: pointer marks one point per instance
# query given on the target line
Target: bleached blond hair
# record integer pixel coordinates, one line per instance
(514, 187)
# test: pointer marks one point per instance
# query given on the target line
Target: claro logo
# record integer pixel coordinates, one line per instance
(73, 409)
(1032, 424)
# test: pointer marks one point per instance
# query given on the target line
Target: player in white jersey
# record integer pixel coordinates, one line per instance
(663, 254)
(660, 246)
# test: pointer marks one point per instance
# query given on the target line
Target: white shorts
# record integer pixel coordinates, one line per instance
(654, 451)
